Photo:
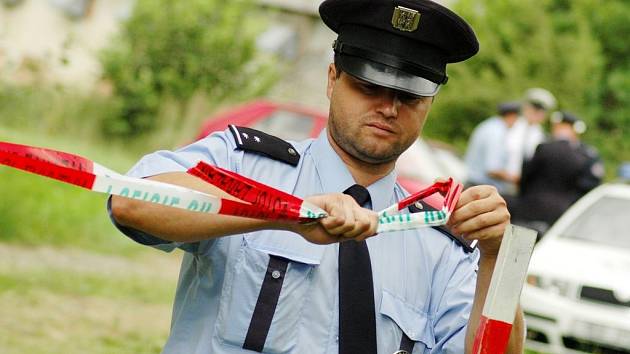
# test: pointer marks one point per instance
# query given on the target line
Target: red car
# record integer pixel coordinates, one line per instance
(417, 167)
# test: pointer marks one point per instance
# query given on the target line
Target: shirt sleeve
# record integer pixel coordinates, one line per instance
(217, 149)
(496, 158)
(455, 305)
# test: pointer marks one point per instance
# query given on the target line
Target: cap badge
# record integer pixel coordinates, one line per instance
(405, 19)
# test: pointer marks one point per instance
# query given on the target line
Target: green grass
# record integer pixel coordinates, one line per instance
(72, 284)
(69, 281)
(62, 300)
(36, 210)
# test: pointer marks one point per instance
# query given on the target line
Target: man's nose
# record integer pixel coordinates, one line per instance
(389, 104)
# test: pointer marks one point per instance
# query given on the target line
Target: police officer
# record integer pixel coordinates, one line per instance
(527, 132)
(486, 156)
(560, 172)
(333, 286)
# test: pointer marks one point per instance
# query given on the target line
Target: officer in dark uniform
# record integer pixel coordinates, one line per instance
(560, 172)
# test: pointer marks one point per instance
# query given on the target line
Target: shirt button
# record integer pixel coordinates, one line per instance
(337, 338)
(275, 274)
(292, 151)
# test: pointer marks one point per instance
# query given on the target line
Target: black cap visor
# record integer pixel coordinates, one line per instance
(387, 76)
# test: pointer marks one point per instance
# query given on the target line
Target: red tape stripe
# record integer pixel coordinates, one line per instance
(49, 163)
(439, 187)
(266, 202)
(452, 196)
(239, 186)
(492, 336)
(280, 211)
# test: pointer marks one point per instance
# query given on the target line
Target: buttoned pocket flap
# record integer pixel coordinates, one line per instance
(287, 245)
(265, 291)
(414, 323)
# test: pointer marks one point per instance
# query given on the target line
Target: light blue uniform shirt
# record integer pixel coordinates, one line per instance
(424, 282)
(487, 151)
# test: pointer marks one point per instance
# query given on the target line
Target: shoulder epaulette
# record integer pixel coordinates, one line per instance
(249, 139)
(426, 207)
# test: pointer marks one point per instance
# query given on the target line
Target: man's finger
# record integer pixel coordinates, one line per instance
(472, 209)
(480, 222)
(475, 193)
(345, 209)
(362, 223)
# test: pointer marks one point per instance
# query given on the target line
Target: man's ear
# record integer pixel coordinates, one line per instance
(332, 78)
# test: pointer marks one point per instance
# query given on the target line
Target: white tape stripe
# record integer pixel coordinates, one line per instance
(402, 222)
(509, 273)
(156, 192)
(391, 210)
(311, 211)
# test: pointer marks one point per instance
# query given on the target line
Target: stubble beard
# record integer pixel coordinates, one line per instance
(361, 150)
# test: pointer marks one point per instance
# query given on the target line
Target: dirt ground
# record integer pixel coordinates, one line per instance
(70, 301)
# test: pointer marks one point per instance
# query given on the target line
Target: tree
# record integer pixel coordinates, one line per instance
(611, 116)
(171, 50)
(522, 44)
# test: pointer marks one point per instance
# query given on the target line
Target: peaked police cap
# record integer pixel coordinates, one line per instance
(400, 44)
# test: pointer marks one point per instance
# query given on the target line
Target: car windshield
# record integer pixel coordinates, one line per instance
(287, 125)
(603, 222)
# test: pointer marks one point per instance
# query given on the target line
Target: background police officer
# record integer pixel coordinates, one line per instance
(561, 171)
(487, 156)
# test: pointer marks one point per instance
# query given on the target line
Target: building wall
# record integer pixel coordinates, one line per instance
(303, 78)
(57, 40)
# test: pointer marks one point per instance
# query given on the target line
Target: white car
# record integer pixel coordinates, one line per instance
(577, 295)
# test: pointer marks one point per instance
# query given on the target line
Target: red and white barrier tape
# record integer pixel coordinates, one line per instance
(87, 174)
(390, 218)
(258, 200)
(268, 202)
(509, 274)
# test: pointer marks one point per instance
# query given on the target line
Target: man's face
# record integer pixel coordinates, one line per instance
(533, 114)
(372, 123)
(563, 130)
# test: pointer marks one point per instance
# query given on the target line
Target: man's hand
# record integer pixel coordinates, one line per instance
(481, 214)
(346, 220)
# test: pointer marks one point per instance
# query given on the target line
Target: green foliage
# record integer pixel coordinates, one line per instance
(522, 44)
(612, 118)
(52, 110)
(171, 50)
(576, 49)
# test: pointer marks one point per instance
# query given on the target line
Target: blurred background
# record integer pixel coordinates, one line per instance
(112, 80)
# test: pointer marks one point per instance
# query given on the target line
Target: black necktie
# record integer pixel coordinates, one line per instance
(357, 322)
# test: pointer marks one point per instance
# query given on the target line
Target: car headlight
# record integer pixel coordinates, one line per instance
(556, 286)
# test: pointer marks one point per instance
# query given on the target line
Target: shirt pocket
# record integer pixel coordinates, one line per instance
(264, 275)
(415, 324)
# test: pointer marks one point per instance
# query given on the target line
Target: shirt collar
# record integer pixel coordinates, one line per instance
(335, 176)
